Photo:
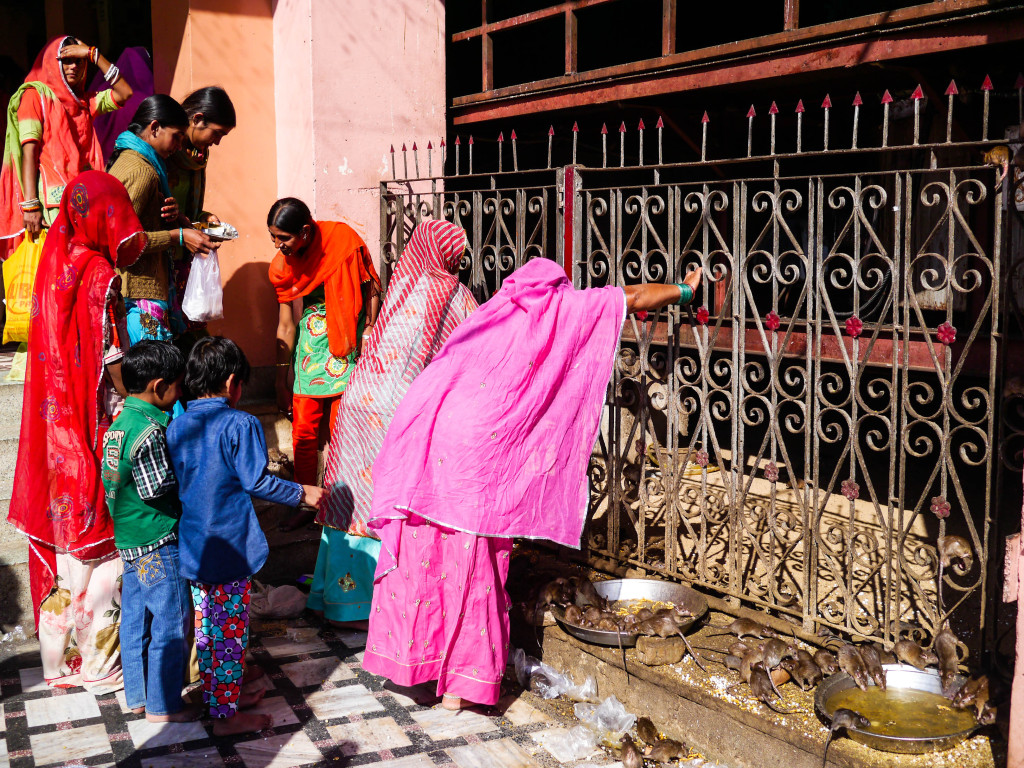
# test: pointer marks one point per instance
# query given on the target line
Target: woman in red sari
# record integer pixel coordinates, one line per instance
(50, 137)
(58, 500)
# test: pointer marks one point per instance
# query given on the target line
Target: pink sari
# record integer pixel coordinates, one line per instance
(491, 441)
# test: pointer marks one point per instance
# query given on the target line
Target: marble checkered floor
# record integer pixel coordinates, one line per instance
(326, 710)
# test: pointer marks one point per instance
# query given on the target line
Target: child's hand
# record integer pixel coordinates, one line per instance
(313, 496)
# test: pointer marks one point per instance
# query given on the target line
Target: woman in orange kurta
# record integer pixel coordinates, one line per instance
(324, 273)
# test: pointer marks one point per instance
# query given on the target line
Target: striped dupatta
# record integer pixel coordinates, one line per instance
(425, 302)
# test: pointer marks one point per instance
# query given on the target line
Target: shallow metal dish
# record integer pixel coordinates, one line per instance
(219, 232)
(896, 676)
(615, 590)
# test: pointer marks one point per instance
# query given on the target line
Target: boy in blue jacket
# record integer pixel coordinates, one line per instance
(220, 459)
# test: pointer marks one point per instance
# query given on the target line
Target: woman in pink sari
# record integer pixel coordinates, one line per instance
(425, 302)
(492, 441)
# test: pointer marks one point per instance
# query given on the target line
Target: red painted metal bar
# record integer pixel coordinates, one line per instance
(520, 100)
(571, 43)
(526, 18)
(668, 27)
(568, 220)
(791, 14)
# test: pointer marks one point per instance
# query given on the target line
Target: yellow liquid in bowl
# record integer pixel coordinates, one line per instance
(903, 712)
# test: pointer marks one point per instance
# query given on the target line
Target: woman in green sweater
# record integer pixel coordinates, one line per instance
(156, 133)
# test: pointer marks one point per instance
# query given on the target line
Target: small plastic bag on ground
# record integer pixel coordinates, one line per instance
(609, 718)
(204, 295)
(285, 602)
(547, 681)
(574, 744)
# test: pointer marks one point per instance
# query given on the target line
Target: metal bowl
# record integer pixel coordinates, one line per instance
(219, 232)
(616, 590)
(896, 676)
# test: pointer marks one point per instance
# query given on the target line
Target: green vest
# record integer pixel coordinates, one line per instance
(137, 523)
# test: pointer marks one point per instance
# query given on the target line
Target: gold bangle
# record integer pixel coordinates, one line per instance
(284, 365)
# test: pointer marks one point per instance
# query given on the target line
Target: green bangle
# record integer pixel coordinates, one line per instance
(181, 237)
(685, 293)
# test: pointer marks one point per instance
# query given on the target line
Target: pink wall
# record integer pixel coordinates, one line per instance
(230, 43)
(375, 73)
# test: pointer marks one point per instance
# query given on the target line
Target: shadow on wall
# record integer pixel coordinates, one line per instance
(249, 301)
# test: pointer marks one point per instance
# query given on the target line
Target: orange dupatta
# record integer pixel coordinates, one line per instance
(337, 258)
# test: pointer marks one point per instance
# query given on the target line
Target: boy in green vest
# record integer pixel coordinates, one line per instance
(142, 494)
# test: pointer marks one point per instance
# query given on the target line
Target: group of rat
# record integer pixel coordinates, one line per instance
(764, 660)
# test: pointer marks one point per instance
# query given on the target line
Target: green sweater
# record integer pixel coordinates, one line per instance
(139, 481)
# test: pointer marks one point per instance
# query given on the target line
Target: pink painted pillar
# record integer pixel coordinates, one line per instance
(1015, 589)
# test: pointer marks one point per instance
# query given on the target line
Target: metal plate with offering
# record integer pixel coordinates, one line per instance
(219, 232)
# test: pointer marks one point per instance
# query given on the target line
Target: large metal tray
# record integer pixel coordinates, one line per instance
(896, 676)
(615, 590)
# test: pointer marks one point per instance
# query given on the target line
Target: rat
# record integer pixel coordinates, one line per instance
(732, 662)
(667, 749)
(826, 662)
(646, 731)
(744, 628)
(873, 662)
(973, 693)
(998, 157)
(805, 672)
(955, 551)
(573, 615)
(774, 651)
(841, 720)
(887, 657)
(909, 652)
(553, 593)
(851, 662)
(631, 757)
(664, 624)
(584, 593)
(763, 688)
(945, 648)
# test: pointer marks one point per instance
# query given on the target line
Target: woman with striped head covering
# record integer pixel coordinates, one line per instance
(425, 302)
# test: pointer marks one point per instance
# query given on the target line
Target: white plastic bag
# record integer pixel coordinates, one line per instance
(285, 602)
(548, 682)
(609, 718)
(204, 296)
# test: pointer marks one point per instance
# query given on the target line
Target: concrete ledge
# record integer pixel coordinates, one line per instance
(727, 732)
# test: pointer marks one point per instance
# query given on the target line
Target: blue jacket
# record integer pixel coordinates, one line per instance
(220, 458)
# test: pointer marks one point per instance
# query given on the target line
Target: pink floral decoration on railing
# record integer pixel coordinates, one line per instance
(702, 457)
(854, 326)
(703, 315)
(940, 507)
(771, 472)
(850, 489)
(641, 315)
(946, 334)
(772, 321)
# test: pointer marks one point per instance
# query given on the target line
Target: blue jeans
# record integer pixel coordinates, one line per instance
(156, 607)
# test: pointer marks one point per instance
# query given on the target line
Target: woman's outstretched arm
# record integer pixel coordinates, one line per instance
(652, 296)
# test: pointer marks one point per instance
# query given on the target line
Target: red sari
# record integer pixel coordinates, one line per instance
(57, 501)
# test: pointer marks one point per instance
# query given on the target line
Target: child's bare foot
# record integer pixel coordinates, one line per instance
(252, 672)
(243, 722)
(247, 700)
(187, 715)
(139, 711)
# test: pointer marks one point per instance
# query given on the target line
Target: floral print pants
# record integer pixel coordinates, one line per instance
(222, 635)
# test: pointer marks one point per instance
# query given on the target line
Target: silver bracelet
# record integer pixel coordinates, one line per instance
(112, 74)
(30, 203)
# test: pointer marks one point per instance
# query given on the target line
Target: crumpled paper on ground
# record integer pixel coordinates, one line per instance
(285, 602)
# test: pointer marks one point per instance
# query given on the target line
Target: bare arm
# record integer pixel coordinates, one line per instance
(652, 296)
(30, 184)
(121, 90)
(114, 372)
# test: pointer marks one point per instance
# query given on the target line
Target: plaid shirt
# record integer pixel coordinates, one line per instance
(136, 552)
(151, 470)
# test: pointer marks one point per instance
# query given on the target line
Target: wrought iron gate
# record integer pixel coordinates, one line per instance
(803, 434)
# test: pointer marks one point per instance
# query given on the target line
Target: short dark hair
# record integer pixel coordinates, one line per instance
(213, 103)
(289, 214)
(210, 363)
(148, 360)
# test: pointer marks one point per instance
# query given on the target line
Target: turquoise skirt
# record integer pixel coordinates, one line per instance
(343, 578)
